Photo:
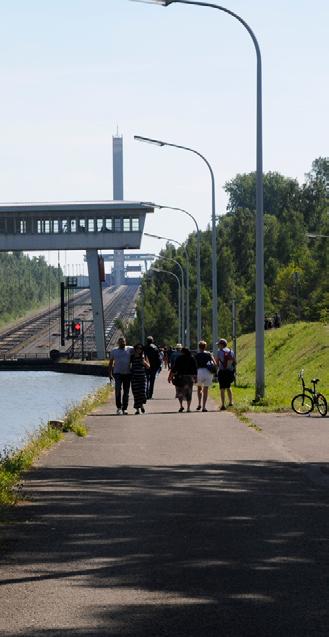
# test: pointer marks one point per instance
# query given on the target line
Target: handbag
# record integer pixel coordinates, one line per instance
(211, 367)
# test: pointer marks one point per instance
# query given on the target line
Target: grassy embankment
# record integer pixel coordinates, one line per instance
(287, 350)
(14, 462)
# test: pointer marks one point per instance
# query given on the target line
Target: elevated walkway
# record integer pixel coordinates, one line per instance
(72, 225)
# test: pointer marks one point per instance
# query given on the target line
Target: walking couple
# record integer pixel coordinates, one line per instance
(131, 366)
(188, 369)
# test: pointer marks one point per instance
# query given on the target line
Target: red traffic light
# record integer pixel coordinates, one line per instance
(76, 328)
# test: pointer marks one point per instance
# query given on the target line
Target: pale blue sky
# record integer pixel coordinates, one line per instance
(72, 71)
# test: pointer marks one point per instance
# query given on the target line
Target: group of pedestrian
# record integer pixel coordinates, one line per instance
(186, 369)
(136, 367)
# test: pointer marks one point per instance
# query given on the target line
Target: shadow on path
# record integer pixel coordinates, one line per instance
(182, 551)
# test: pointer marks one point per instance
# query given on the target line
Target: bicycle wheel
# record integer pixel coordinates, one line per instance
(321, 404)
(302, 404)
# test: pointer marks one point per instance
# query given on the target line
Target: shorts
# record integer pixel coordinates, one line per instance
(225, 378)
(204, 377)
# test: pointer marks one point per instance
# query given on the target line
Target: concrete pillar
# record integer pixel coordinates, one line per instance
(119, 267)
(97, 302)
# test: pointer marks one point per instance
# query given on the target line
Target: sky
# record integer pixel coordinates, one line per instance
(74, 72)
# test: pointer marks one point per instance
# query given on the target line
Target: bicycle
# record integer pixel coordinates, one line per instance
(304, 403)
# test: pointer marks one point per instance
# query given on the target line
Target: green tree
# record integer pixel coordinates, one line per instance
(295, 267)
(25, 284)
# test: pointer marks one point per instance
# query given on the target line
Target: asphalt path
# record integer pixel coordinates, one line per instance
(168, 524)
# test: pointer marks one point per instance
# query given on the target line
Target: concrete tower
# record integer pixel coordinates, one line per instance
(119, 263)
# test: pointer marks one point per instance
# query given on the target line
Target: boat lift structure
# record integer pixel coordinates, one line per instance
(86, 225)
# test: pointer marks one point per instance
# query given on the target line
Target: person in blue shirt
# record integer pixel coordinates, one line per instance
(120, 358)
(174, 354)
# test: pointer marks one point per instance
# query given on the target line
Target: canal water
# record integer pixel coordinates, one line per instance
(30, 399)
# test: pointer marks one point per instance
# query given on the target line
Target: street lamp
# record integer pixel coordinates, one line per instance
(155, 236)
(183, 326)
(260, 364)
(159, 142)
(198, 274)
(179, 292)
(181, 313)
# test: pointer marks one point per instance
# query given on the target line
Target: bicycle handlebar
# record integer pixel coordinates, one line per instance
(301, 377)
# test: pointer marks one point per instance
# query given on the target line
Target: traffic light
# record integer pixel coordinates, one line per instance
(76, 327)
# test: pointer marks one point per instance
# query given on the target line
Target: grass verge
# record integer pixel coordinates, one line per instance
(14, 462)
(287, 350)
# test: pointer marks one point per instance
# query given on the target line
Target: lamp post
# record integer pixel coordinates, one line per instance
(198, 272)
(155, 236)
(259, 318)
(179, 292)
(159, 256)
(159, 142)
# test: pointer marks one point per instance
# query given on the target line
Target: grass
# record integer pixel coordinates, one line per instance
(14, 462)
(99, 362)
(287, 350)
(74, 419)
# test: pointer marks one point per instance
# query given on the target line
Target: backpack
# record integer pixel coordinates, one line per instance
(228, 356)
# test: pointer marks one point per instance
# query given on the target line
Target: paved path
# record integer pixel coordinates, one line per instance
(180, 525)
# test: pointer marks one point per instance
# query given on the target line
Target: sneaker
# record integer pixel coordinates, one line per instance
(223, 408)
(125, 413)
(119, 412)
(198, 408)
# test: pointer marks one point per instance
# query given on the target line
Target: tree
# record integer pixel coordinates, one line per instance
(295, 267)
(25, 284)
(280, 193)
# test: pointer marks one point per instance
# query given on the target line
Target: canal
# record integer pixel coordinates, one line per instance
(30, 399)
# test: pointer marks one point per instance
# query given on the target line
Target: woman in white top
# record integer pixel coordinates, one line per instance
(206, 367)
